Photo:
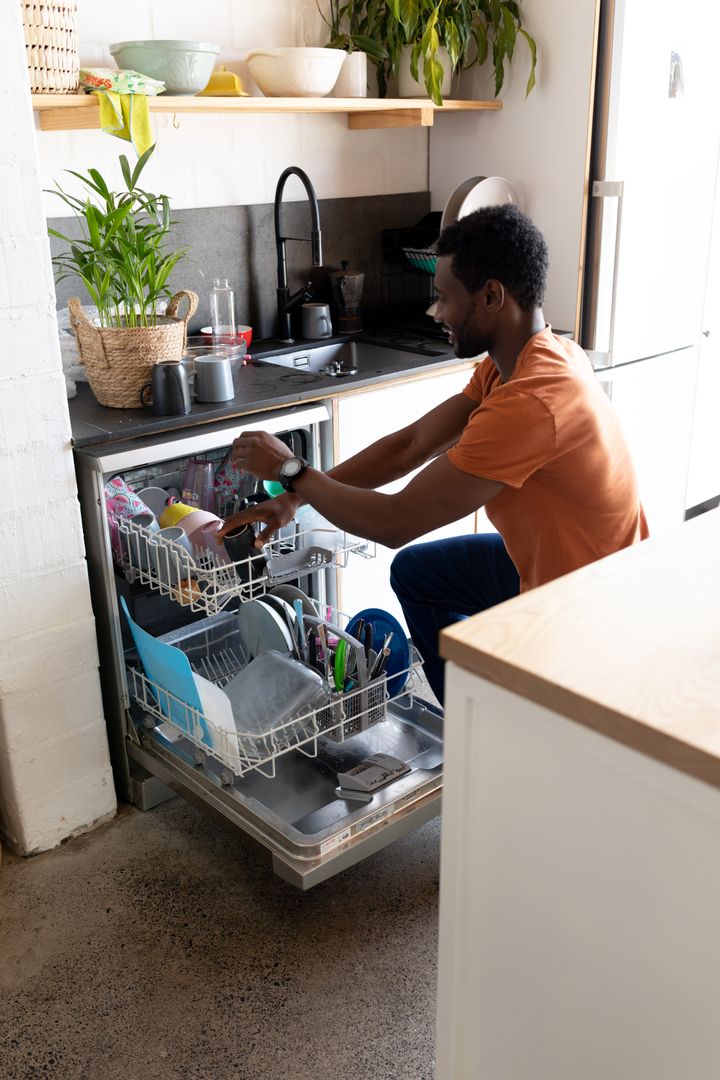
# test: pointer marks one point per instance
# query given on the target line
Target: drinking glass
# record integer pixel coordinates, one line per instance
(198, 488)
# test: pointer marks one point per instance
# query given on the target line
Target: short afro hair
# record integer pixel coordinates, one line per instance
(498, 242)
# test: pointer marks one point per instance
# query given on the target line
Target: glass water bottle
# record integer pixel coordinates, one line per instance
(222, 312)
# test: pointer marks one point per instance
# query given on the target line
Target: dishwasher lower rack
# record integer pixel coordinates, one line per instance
(206, 581)
(215, 651)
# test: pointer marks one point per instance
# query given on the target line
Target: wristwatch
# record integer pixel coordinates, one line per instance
(291, 470)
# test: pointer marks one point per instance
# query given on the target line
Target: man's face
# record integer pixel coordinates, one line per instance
(461, 312)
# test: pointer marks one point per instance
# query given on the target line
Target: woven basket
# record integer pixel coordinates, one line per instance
(119, 360)
(51, 45)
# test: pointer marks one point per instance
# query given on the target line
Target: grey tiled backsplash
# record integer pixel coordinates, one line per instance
(238, 242)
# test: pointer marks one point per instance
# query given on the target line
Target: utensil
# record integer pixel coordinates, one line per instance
(322, 634)
(299, 611)
(340, 665)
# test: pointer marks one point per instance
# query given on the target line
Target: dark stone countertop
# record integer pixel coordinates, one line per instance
(258, 386)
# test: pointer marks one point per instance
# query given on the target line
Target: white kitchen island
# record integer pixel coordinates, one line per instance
(580, 877)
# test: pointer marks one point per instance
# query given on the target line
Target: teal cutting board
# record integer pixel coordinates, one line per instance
(169, 668)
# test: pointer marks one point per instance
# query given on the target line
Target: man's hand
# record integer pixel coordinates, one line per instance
(260, 454)
(274, 513)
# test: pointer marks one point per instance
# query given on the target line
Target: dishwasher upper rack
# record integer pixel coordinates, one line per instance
(203, 582)
(213, 649)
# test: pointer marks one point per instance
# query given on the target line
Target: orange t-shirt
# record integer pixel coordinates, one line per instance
(551, 436)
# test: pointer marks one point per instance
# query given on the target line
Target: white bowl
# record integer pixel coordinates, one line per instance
(296, 72)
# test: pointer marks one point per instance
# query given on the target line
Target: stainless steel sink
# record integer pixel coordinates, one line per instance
(341, 359)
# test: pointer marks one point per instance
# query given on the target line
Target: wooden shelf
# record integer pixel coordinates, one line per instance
(73, 112)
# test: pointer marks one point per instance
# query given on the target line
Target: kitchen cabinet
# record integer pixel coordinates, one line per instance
(73, 112)
(580, 883)
(361, 419)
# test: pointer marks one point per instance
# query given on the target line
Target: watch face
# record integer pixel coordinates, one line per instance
(291, 467)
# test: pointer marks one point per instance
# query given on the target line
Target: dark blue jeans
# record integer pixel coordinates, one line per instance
(443, 581)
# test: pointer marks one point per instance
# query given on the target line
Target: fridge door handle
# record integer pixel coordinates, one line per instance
(610, 189)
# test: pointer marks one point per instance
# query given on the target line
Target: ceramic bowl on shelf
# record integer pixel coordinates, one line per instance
(295, 72)
(184, 66)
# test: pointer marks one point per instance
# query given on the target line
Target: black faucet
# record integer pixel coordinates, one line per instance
(287, 303)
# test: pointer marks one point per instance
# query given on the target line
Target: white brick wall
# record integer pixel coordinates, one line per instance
(231, 160)
(55, 776)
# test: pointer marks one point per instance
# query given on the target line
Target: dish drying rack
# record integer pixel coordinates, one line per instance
(216, 652)
(208, 582)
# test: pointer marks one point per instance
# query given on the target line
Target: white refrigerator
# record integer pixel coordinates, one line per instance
(652, 184)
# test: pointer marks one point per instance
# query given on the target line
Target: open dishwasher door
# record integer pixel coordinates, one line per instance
(361, 773)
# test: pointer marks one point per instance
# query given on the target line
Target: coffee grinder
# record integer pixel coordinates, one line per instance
(347, 287)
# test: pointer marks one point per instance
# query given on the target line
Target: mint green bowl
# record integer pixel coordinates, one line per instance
(184, 66)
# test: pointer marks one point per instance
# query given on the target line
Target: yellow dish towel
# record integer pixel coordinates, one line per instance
(128, 117)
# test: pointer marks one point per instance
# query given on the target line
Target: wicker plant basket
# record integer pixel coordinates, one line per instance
(119, 360)
(51, 45)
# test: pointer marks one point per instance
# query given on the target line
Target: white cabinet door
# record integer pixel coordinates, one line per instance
(654, 400)
(361, 419)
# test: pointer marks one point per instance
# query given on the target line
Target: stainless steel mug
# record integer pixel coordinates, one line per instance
(170, 390)
(315, 321)
(213, 379)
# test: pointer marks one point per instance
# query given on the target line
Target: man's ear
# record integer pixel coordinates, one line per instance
(492, 295)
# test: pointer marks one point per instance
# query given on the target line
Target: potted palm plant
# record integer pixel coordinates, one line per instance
(123, 262)
(440, 37)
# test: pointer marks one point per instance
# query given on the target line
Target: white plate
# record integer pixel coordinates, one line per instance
(492, 191)
(262, 629)
(450, 213)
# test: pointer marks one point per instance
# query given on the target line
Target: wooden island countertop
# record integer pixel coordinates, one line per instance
(628, 646)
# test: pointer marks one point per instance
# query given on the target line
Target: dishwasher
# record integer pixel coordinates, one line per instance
(317, 792)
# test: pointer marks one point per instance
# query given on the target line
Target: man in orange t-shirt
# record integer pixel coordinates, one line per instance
(532, 438)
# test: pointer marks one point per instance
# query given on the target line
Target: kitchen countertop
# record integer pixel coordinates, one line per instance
(628, 646)
(257, 387)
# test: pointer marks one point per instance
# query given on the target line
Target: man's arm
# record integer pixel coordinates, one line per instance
(385, 460)
(436, 496)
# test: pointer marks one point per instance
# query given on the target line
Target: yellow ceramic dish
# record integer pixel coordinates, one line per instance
(224, 83)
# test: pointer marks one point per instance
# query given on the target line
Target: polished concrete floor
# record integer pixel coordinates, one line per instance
(157, 947)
